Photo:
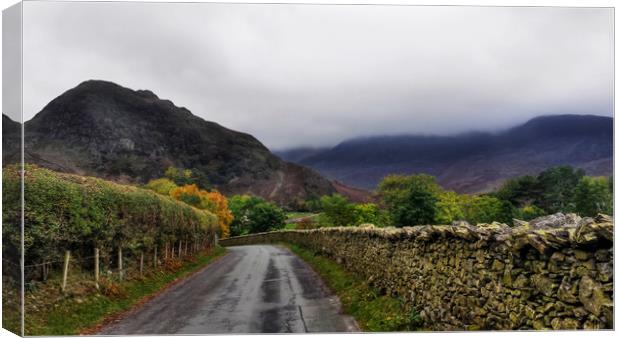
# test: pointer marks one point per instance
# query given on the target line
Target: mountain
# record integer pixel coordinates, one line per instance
(299, 154)
(474, 162)
(102, 129)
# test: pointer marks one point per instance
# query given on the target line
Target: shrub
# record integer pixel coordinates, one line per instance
(338, 210)
(71, 212)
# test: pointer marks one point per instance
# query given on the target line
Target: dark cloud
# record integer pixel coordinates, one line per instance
(313, 75)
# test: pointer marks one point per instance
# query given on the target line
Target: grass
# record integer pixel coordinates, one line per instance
(297, 214)
(73, 315)
(372, 311)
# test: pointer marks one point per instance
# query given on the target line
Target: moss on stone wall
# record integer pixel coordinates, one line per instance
(552, 273)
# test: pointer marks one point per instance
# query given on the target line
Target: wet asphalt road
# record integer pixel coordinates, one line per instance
(253, 289)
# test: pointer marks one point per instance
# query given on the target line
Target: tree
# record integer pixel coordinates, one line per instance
(417, 209)
(394, 189)
(528, 212)
(181, 176)
(483, 209)
(253, 214)
(266, 216)
(557, 188)
(368, 213)
(593, 195)
(338, 210)
(191, 195)
(219, 207)
(449, 207)
(411, 200)
(161, 186)
(520, 191)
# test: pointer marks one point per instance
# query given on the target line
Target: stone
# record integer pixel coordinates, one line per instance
(592, 296)
(543, 284)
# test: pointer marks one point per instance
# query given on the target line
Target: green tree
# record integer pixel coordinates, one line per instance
(253, 214)
(520, 191)
(449, 207)
(557, 188)
(161, 186)
(266, 216)
(338, 210)
(411, 200)
(483, 209)
(368, 213)
(418, 208)
(593, 195)
(528, 212)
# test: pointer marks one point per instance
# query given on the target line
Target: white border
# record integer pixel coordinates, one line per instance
(538, 3)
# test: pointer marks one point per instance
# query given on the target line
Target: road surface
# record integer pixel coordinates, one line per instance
(253, 289)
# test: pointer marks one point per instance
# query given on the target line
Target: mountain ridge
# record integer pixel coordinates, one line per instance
(473, 162)
(102, 129)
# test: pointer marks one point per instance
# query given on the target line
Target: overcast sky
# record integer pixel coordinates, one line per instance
(294, 75)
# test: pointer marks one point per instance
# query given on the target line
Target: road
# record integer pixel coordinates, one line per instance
(253, 289)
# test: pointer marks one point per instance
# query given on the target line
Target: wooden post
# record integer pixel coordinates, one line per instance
(65, 270)
(120, 263)
(141, 262)
(155, 257)
(180, 248)
(166, 252)
(97, 268)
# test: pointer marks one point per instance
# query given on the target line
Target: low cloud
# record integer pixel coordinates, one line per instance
(295, 75)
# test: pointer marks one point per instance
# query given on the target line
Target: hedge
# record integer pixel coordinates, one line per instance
(77, 213)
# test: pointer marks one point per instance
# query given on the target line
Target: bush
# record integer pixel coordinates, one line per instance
(594, 195)
(71, 212)
(253, 214)
(338, 210)
(411, 200)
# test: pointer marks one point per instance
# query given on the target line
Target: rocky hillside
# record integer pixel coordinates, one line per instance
(102, 129)
(475, 162)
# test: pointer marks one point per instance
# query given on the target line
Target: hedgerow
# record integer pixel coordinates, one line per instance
(76, 213)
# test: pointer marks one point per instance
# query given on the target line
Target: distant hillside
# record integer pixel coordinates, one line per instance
(299, 154)
(102, 129)
(474, 162)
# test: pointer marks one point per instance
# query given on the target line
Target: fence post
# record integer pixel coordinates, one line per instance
(155, 257)
(120, 262)
(97, 268)
(65, 270)
(180, 248)
(141, 262)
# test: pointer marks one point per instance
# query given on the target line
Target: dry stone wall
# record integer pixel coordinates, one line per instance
(552, 273)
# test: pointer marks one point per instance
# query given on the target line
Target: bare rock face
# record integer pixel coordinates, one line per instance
(102, 129)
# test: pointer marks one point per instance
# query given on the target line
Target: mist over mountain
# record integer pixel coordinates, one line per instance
(472, 162)
(102, 129)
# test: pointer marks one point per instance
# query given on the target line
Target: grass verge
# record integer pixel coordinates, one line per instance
(372, 311)
(85, 315)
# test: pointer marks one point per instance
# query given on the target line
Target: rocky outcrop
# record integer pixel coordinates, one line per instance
(554, 272)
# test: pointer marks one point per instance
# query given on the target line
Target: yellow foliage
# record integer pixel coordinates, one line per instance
(202, 199)
(221, 210)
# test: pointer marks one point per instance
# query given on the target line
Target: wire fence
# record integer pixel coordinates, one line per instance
(118, 264)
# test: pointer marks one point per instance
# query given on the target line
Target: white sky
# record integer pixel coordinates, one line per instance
(294, 75)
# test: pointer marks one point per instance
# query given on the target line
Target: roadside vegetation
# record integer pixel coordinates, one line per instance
(86, 236)
(372, 311)
(82, 309)
(419, 200)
